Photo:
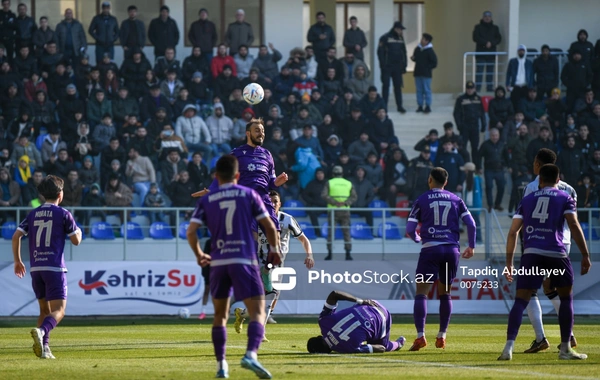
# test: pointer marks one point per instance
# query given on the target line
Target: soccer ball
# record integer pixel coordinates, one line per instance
(253, 93)
(184, 313)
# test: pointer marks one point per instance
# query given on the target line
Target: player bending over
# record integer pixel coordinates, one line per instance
(228, 212)
(534, 309)
(48, 227)
(542, 215)
(439, 212)
(289, 227)
(362, 328)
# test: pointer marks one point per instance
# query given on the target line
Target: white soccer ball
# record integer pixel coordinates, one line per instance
(184, 313)
(253, 93)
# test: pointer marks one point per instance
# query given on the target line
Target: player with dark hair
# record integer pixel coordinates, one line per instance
(440, 213)
(542, 216)
(534, 308)
(227, 212)
(48, 226)
(362, 328)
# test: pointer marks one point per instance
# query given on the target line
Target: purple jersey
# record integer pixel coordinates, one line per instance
(353, 329)
(48, 227)
(228, 213)
(543, 213)
(439, 212)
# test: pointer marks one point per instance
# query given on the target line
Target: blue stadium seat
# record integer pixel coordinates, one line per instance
(338, 231)
(361, 231)
(308, 229)
(161, 231)
(8, 229)
(102, 231)
(291, 206)
(134, 231)
(183, 226)
(585, 227)
(379, 204)
(392, 231)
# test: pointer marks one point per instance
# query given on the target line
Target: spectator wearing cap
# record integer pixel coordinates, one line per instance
(382, 131)
(198, 88)
(152, 102)
(104, 28)
(52, 143)
(501, 111)
(42, 36)
(542, 141)
(418, 173)
(431, 140)
(70, 104)
(584, 46)
(392, 61)
(163, 32)
(132, 33)
(344, 106)
(491, 155)
(25, 63)
(332, 150)
(545, 72)
(58, 82)
(576, 75)
(308, 140)
(124, 106)
(469, 117)
(225, 83)
(220, 127)
(354, 39)
(452, 162)
(239, 33)
(267, 62)
(167, 63)
(97, 107)
(133, 71)
(321, 35)
(358, 83)
(197, 62)
(243, 62)
(487, 37)
(425, 61)
(194, 132)
(171, 86)
(519, 76)
(203, 34)
(301, 120)
(532, 109)
(71, 39)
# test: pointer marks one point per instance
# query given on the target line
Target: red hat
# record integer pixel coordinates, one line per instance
(250, 111)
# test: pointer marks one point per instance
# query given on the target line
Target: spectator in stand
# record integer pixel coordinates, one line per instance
(70, 105)
(152, 102)
(220, 128)
(469, 117)
(332, 150)
(513, 124)
(382, 131)
(8, 77)
(58, 82)
(452, 162)
(344, 106)
(83, 69)
(167, 63)
(593, 123)
(276, 141)
(180, 192)
(585, 142)
(24, 147)
(49, 59)
(34, 84)
(330, 62)
(283, 84)
(25, 27)
(103, 132)
(243, 62)
(236, 104)
(10, 194)
(418, 173)
(72, 190)
(289, 107)
(359, 149)
(199, 89)
(150, 80)
(321, 36)
(239, 33)
(354, 126)
(43, 111)
(500, 111)
(532, 109)
(306, 165)
(311, 63)
(297, 59)
(583, 46)
(255, 77)
(170, 168)
(431, 140)
(303, 85)
(313, 111)
(52, 143)
(133, 71)
(183, 99)
(307, 140)
(225, 83)
(163, 32)
(168, 140)
(587, 196)
(8, 29)
(374, 171)
(370, 103)
(13, 104)
(276, 120)
(491, 156)
(395, 176)
(347, 166)
(104, 28)
(425, 61)
(74, 45)
(543, 141)
(319, 102)
(576, 75)
(30, 195)
(311, 196)
(198, 172)
(59, 166)
(42, 36)
(392, 61)
(203, 34)
(584, 107)
(571, 162)
(25, 63)
(117, 194)
(17, 127)
(23, 171)
(332, 87)
(300, 121)
(132, 33)
(124, 106)
(358, 84)
(97, 108)
(117, 170)
(90, 84)
(487, 37)
(143, 143)
(154, 199)
(171, 86)
(472, 195)
(194, 132)
(570, 129)
(349, 63)
(140, 173)
(354, 39)
(545, 72)
(82, 144)
(196, 62)
(238, 135)
(519, 76)
(114, 151)
(266, 62)
(593, 167)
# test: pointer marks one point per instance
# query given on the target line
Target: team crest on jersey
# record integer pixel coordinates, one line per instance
(243, 151)
(251, 167)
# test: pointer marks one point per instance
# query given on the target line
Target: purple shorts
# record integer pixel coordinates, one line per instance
(532, 261)
(432, 264)
(244, 279)
(49, 285)
(272, 214)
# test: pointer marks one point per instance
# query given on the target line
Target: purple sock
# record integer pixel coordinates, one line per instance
(565, 318)
(256, 331)
(48, 324)
(445, 311)
(420, 312)
(219, 338)
(46, 339)
(515, 318)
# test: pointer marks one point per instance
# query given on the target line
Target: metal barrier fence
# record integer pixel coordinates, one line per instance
(501, 60)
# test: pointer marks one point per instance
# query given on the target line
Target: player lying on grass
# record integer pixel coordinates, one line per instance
(228, 212)
(541, 215)
(289, 227)
(361, 328)
(48, 227)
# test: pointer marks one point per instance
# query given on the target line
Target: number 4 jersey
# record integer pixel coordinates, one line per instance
(48, 226)
(543, 213)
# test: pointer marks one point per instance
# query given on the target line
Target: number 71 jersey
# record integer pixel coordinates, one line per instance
(543, 213)
(439, 212)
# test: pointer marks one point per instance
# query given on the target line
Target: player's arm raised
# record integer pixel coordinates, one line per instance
(273, 239)
(511, 245)
(579, 238)
(16, 248)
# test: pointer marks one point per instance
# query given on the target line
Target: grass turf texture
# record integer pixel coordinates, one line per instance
(169, 348)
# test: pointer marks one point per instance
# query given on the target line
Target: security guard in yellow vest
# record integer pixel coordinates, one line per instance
(339, 193)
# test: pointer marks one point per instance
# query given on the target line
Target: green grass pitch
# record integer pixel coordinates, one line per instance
(163, 348)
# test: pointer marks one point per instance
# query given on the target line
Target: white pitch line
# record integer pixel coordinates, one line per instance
(432, 364)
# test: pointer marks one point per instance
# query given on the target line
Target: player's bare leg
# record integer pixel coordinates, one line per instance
(420, 315)
(256, 312)
(219, 335)
(55, 313)
(565, 320)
